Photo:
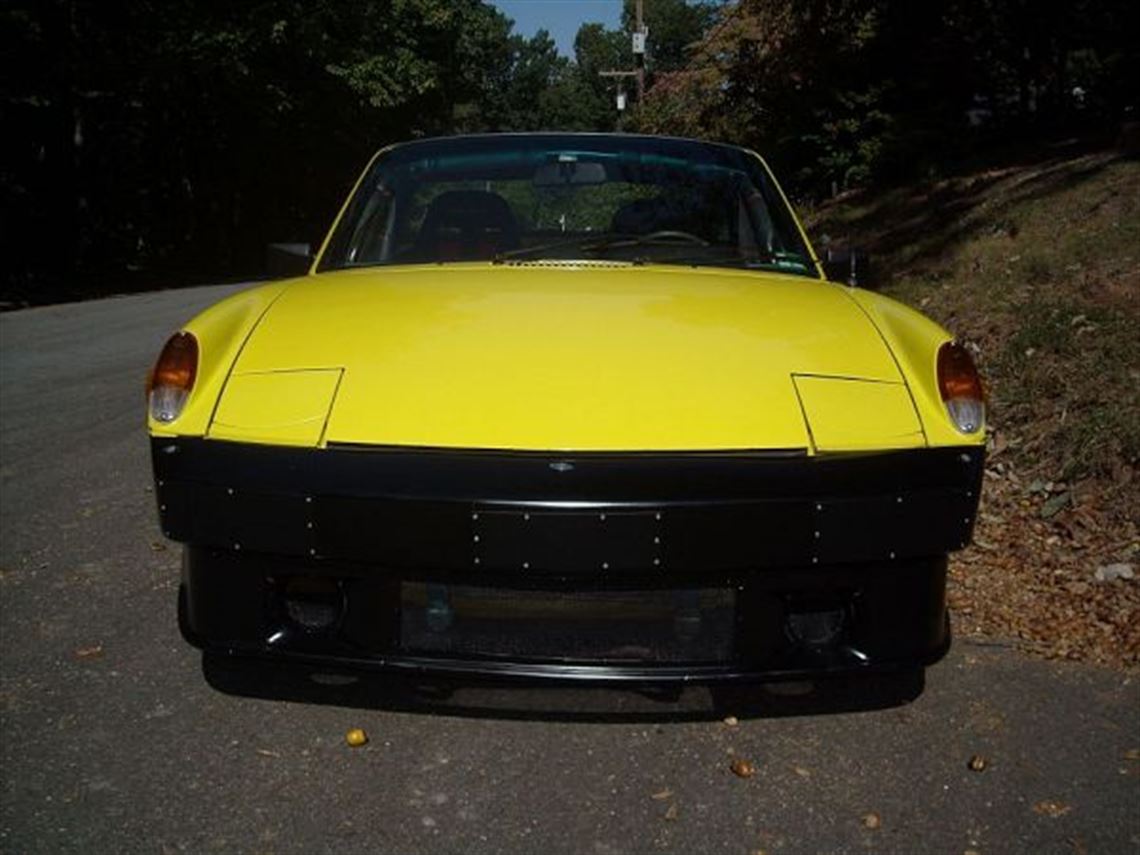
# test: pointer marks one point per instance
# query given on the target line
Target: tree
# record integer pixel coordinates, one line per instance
(597, 49)
(846, 92)
(185, 135)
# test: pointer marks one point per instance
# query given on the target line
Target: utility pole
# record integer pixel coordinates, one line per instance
(640, 37)
(640, 34)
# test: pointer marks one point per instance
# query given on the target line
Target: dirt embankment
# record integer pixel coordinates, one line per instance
(1037, 266)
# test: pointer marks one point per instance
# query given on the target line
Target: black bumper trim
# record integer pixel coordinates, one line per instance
(637, 478)
(673, 513)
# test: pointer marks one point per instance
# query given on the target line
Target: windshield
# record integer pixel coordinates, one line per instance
(511, 199)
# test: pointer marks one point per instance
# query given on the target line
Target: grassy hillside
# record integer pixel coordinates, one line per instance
(1037, 266)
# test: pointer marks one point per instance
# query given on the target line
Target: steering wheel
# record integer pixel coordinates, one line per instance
(673, 234)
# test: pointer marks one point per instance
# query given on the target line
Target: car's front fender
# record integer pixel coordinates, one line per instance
(221, 331)
(915, 340)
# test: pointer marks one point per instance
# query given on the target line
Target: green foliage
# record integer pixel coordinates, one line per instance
(597, 49)
(143, 138)
(853, 92)
(848, 139)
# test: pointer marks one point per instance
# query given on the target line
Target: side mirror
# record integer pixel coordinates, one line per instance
(283, 260)
(849, 265)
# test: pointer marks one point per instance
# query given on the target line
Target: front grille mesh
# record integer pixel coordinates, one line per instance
(670, 626)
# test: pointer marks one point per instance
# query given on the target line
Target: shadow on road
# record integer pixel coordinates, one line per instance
(482, 698)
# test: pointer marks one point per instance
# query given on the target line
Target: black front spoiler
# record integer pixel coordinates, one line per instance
(844, 661)
(894, 617)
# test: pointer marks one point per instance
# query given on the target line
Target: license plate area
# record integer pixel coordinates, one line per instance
(566, 542)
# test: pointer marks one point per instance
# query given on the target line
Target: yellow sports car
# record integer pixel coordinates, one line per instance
(572, 406)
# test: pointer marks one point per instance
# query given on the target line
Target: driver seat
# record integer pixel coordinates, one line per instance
(467, 225)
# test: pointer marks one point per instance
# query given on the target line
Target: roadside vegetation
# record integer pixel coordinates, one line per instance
(1036, 264)
(155, 144)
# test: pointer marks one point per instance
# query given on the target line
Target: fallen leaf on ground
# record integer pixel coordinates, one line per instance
(872, 821)
(673, 812)
(977, 763)
(731, 720)
(661, 796)
(1054, 505)
(742, 768)
(1112, 572)
(1132, 754)
(356, 737)
(265, 752)
(88, 652)
(802, 772)
(1051, 808)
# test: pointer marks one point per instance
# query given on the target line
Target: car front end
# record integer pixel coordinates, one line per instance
(567, 406)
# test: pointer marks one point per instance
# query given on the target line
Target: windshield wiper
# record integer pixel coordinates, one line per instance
(659, 238)
(524, 251)
(755, 259)
(707, 254)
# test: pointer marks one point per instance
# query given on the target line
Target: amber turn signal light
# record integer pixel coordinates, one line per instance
(961, 387)
(173, 376)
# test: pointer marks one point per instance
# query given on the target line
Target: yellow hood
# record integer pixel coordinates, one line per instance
(575, 357)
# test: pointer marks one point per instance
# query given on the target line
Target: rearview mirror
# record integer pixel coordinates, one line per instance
(851, 266)
(283, 260)
(569, 172)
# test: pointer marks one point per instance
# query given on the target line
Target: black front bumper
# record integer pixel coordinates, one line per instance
(766, 536)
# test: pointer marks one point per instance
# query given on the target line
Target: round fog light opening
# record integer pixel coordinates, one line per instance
(815, 629)
(312, 603)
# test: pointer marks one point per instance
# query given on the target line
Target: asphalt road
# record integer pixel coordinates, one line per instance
(113, 739)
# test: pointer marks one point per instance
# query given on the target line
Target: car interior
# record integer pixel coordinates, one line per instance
(570, 208)
(464, 225)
